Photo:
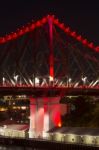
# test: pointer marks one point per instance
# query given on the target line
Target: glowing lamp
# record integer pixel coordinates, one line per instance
(37, 80)
(20, 32)
(51, 78)
(73, 34)
(50, 16)
(67, 30)
(59, 124)
(97, 49)
(79, 38)
(2, 40)
(62, 26)
(91, 45)
(56, 21)
(32, 26)
(14, 35)
(38, 23)
(84, 41)
(27, 29)
(44, 20)
(57, 119)
(3, 79)
(15, 77)
(84, 79)
(8, 37)
(69, 80)
(23, 107)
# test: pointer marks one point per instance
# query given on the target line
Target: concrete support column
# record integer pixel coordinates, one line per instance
(39, 117)
(46, 125)
(45, 113)
(52, 113)
(32, 128)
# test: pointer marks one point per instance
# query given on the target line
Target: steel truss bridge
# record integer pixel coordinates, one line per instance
(46, 57)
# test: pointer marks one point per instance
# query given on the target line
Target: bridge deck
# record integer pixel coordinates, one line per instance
(48, 91)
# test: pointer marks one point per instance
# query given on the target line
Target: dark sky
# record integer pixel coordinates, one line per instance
(82, 16)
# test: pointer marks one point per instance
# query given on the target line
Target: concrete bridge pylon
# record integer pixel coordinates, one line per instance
(45, 113)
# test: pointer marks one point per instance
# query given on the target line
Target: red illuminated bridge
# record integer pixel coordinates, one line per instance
(47, 56)
(49, 91)
(47, 59)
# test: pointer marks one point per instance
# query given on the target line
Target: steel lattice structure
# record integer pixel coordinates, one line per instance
(46, 53)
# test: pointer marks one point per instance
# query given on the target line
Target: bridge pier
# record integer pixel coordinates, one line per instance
(45, 113)
(32, 128)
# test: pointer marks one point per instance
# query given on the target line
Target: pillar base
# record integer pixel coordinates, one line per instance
(45, 113)
(45, 135)
(32, 133)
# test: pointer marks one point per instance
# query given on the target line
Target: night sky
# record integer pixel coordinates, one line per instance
(81, 16)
